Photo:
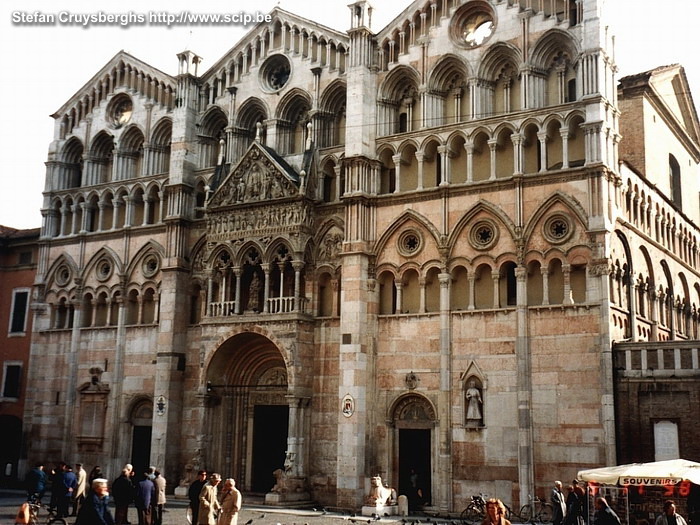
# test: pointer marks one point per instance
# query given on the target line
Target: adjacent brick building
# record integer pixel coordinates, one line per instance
(18, 256)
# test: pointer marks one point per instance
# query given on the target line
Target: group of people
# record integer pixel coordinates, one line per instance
(146, 492)
(68, 486)
(89, 505)
(208, 505)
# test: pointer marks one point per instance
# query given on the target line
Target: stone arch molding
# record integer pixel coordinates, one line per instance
(412, 410)
(284, 350)
(481, 206)
(401, 220)
(557, 197)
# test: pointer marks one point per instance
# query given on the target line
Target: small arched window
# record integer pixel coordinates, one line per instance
(674, 170)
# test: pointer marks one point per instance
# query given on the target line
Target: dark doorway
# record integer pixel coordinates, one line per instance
(270, 427)
(141, 449)
(10, 444)
(414, 466)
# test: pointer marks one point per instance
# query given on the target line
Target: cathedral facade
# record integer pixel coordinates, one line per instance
(345, 254)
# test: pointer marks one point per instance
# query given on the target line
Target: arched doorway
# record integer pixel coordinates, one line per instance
(141, 420)
(413, 419)
(248, 414)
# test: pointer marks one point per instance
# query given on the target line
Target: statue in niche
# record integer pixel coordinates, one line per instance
(474, 404)
(254, 293)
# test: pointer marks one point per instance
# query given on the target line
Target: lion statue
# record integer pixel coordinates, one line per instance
(379, 494)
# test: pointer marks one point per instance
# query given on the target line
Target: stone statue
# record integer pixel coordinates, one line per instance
(474, 402)
(254, 293)
(379, 494)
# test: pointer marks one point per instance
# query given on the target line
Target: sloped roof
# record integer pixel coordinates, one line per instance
(121, 56)
(668, 87)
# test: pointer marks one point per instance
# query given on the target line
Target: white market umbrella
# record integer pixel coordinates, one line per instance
(667, 472)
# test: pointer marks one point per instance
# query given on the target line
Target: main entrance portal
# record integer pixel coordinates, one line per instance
(269, 444)
(248, 412)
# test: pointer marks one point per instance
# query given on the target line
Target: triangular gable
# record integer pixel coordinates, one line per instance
(277, 16)
(118, 61)
(260, 175)
(671, 86)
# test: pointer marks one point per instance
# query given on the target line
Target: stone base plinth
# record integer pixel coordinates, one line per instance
(380, 510)
(181, 493)
(285, 498)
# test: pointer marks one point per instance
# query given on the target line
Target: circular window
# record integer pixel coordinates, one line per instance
(104, 270)
(410, 243)
(275, 73)
(484, 234)
(63, 275)
(119, 111)
(473, 25)
(557, 229)
(151, 264)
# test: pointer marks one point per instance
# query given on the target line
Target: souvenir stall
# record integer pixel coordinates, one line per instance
(636, 492)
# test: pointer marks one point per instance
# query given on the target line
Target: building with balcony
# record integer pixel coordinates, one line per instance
(355, 253)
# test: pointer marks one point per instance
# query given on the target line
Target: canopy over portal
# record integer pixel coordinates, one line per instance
(667, 472)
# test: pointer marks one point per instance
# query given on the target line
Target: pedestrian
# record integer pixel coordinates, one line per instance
(123, 494)
(669, 516)
(95, 473)
(145, 490)
(208, 502)
(193, 493)
(604, 515)
(230, 503)
(558, 504)
(159, 500)
(495, 513)
(80, 489)
(574, 507)
(36, 483)
(56, 479)
(66, 487)
(94, 510)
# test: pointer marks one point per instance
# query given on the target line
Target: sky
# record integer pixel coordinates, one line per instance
(44, 65)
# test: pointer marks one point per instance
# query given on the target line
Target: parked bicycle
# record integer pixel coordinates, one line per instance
(36, 508)
(536, 511)
(476, 510)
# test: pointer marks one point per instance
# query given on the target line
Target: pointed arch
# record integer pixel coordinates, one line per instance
(478, 207)
(566, 200)
(398, 222)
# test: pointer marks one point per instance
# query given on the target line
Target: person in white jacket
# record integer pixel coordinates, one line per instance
(81, 488)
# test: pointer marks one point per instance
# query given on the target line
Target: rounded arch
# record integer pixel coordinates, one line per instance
(500, 58)
(399, 82)
(412, 410)
(243, 359)
(554, 44)
(71, 156)
(450, 72)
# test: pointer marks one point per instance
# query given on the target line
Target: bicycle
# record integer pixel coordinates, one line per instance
(536, 511)
(475, 511)
(34, 506)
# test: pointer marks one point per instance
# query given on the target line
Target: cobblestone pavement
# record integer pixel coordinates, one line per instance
(175, 514)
